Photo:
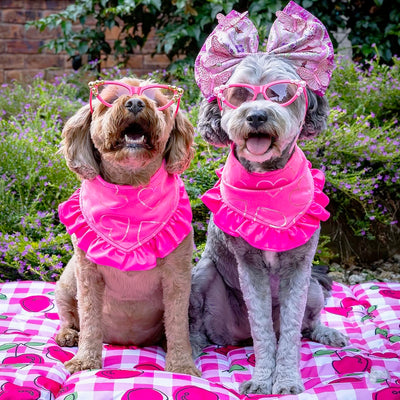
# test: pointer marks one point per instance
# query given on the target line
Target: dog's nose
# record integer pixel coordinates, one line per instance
(135, 105)
(257, 118)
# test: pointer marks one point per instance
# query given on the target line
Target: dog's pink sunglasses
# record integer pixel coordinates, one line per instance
(283, 92)
(172, 94)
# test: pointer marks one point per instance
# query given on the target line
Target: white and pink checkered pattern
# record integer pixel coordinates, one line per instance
(31, 363)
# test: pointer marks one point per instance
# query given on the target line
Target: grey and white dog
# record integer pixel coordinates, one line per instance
(239, 292)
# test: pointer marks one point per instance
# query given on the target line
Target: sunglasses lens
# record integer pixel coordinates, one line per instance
(281, 92)
(237, 95)
(151, 92)
(162, 96)
(111, 92)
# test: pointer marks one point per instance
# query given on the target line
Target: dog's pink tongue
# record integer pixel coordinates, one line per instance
(258, 145)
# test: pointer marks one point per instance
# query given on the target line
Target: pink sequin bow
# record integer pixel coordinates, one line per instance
(295, 35)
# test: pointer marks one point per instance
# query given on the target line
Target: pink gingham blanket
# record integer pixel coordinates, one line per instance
(31, 363)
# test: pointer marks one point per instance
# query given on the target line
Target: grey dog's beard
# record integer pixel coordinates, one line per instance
(271, 164)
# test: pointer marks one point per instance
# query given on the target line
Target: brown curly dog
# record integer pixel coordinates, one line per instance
(131, 136)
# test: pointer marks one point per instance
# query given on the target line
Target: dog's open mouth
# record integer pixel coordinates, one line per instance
(135, 137)
(259, 144)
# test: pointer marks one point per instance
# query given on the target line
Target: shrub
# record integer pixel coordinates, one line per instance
(359, 153)
(34, 178)
(183, 25)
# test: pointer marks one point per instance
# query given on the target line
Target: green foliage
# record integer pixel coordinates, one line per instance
(34, 178)
(369, 88)
(359, 152)
(39, 251)
(199, 178)
(84, 25)
(373, 22)
(183, 25)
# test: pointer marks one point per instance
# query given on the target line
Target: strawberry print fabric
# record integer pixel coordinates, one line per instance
(31, 363)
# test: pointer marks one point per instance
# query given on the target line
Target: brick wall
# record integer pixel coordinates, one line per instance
(21, 58)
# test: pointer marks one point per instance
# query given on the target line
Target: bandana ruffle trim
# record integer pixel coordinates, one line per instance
(99, 251)
(262, 236)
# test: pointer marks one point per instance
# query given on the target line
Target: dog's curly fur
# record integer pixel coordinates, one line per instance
(240, 293)
(98, 303)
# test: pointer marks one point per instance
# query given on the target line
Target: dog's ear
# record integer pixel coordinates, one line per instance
(179, 150)
(316, 116)
(77, 146)
(209, 124)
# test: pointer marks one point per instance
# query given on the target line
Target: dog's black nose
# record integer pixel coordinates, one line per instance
(257, 118)
(135, 105)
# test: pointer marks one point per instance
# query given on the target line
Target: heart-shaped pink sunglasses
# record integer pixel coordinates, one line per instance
(283, 92)
(171, 94)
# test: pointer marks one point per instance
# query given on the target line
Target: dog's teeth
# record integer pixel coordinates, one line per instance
(131, 140)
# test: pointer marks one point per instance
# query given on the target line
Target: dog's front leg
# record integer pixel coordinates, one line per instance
(255, 285)
(90, 290)
(176, 283)
(293, 289)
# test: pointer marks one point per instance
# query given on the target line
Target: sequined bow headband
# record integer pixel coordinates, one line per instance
(295, 35)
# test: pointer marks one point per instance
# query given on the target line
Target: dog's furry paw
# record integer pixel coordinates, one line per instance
(180, 364)
(285, 384)
(183, 369)
(328, 336)
(254, 386)
(67, 337)
(81, 363)
(198, 342)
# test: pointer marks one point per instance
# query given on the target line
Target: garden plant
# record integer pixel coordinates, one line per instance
(359, 152)
(182, 25)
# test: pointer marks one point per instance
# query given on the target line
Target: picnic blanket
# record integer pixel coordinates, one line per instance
(31, 363)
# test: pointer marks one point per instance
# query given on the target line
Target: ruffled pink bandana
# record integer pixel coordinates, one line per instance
(128, 227)
(295, 35)
(274, 211)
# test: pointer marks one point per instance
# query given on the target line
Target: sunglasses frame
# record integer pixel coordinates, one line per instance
(301, 88)
(94, 91)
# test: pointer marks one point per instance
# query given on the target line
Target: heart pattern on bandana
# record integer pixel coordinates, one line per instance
(117, 227)
(149, 197)
(274, 218)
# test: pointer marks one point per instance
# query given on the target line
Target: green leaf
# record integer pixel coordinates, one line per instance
(66, 27)
(323, 352)
(3, 317)
(168, 46)
(307, 4)
(215, 9)
(371, 309)
(374, 287)
(34, 344)
(194, 31)
(8, 346)
(3, 296)
(352, 350)
(383, 332)
(83, 47)
(72, 396)
(394, 339)
(156, 4)
(237, 367)
(366, 317)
